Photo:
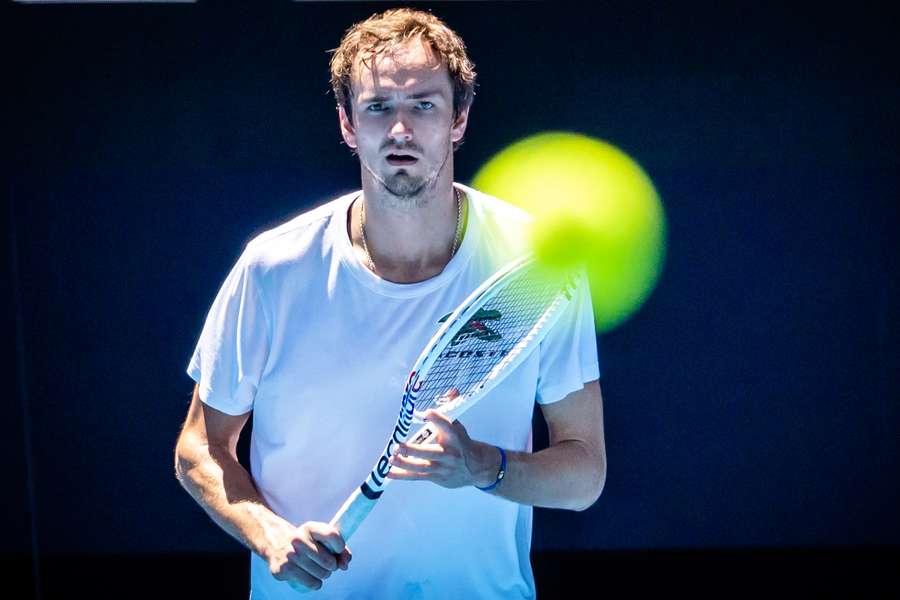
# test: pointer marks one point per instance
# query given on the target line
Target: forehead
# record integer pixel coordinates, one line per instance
(410, 67)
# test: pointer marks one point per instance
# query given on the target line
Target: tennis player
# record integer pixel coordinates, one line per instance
(313, 332)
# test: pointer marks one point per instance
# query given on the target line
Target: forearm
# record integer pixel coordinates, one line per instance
(224, 489)
(569, 475)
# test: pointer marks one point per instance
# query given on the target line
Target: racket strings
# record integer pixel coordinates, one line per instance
(491, 338)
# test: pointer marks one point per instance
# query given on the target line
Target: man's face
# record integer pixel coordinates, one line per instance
(403, 128)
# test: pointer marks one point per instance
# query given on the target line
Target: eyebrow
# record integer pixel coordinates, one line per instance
(412, 96)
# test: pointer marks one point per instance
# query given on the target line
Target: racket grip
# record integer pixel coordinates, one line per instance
(358, 506)
(354, 511)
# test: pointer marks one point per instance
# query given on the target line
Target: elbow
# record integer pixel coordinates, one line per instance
(598, 481)
(183, 463)
(179, 467)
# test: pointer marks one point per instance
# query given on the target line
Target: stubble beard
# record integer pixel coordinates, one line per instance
(405, 191)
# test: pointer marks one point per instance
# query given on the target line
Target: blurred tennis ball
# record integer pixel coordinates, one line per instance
(594, 205)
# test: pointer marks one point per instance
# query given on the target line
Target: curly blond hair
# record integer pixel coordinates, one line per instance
(383, 32)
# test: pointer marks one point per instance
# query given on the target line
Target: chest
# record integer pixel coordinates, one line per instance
(341, 356)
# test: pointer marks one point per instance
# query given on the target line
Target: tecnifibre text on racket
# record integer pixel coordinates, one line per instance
(479, 343)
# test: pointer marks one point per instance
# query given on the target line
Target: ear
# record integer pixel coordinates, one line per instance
(458, 127)
(347, 131)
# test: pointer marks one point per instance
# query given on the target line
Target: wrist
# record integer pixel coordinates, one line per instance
(483, 462)
(496, 469)
(270, 535)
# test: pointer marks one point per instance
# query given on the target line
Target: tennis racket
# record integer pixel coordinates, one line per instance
(479, 344)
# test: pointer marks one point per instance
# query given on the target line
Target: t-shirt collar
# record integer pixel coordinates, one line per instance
(361, 273)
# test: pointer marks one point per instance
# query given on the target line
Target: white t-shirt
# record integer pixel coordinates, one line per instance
(319, 348)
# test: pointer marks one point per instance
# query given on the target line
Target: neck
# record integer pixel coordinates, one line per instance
(408, 239)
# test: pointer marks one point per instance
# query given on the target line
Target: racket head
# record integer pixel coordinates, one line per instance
(488, 335)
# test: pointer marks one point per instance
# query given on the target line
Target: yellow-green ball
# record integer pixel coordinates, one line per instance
(592, 204)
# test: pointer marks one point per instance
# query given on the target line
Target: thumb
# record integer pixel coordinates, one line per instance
(438, 418)
(443, 425)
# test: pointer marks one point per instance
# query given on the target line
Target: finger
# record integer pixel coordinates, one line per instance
(300, 579)
(317, 554)
(329, 536)
(309, 565)
(408, 474)
(450, 431)
(421, 451)
(324, 557)
(438, 417)
(344, 559)
(442, 423)
(450, 394)
(303, 588)
(410, 463)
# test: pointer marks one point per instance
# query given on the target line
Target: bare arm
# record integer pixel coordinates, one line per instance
(207, 466)
(570, 473)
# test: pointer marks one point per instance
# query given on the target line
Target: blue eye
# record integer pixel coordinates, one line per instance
(424, 102)
(377, 107)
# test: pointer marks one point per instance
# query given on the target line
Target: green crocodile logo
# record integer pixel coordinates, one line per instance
(476, 327)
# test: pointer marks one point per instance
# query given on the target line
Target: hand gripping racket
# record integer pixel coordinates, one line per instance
(479, 344)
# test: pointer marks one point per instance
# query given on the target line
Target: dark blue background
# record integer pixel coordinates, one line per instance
(753, 401)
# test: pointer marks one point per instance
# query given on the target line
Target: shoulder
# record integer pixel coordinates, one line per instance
(502, 224)
(500, 212)
(296, 240)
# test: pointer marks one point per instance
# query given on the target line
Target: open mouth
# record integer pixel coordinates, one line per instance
(401, 159)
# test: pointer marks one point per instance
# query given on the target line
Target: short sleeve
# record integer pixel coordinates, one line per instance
(231, 353)
(568, 355)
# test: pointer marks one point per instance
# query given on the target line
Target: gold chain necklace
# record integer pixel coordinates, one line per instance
(456, 240)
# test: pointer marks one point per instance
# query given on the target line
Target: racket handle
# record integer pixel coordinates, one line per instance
(354, 511)
(358, 506)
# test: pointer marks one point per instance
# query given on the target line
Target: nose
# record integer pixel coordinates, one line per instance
(400, 132)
